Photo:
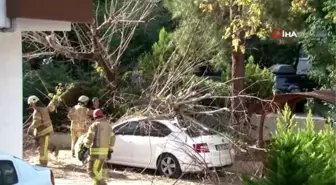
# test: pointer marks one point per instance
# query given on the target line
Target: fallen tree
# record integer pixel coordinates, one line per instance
(169, 90)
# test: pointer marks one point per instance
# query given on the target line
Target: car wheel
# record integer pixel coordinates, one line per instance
(169, 166)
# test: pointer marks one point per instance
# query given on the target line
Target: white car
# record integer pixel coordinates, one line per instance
(170, 147)
(14, 171)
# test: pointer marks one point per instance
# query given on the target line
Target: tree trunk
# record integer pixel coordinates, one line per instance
(238, 73)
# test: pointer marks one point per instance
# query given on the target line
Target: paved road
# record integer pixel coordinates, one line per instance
(68, 171)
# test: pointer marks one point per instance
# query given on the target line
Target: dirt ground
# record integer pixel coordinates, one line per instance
(70, 171)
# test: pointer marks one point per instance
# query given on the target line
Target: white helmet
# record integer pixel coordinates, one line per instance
(33, 99)
(83, 99)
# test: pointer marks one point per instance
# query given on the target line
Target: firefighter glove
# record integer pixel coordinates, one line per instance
(109, 154)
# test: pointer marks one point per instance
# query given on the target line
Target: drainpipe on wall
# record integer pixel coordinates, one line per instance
(6, 24)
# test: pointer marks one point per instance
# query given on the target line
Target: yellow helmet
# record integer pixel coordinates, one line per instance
(33, 99)
(83, 99)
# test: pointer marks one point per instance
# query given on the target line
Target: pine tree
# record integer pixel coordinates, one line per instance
(228, 23)
(302, 158)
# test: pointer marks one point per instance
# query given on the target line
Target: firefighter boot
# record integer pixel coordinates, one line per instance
(55, 151)
(102, 182)
(99, 182)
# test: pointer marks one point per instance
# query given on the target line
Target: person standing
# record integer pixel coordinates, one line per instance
(80, 120)
(41, 127)
(100, 140)
(95, 102)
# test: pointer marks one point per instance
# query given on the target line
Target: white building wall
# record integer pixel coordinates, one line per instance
(41, 25)
(11, 95)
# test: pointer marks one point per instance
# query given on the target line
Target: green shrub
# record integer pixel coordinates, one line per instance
(258, 82)
(305, 157)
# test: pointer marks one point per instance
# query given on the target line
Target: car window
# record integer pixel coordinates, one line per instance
(8, 175)
(195, 130)
(128, 128)
(154, 129)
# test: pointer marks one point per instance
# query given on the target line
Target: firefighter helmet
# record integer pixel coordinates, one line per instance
(98, 113)
(33, 99)
(83, 99)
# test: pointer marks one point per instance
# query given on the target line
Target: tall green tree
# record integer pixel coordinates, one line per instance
(319, 37)
(226, 25)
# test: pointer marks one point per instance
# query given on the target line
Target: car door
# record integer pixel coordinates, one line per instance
(159, 140)
(150, 144)
(141, 147)
(125, 133)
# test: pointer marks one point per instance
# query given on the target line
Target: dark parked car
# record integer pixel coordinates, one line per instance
(287, 81)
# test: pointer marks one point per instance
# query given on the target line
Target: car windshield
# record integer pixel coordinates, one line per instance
(195, 130)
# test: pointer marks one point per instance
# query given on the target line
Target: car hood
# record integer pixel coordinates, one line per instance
(39, 168)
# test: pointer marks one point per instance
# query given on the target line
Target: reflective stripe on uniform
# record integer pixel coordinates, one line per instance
(97, 172)
(112, 134)
(45, 131)
(45, 149)
(37, 118)
(99, 151)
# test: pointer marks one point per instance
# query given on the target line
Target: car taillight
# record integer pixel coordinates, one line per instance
(201, 148)
(52, 177)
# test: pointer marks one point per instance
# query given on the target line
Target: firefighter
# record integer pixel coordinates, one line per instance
(41, 127)
(80, 120)
(95, 102)
(99, 140)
